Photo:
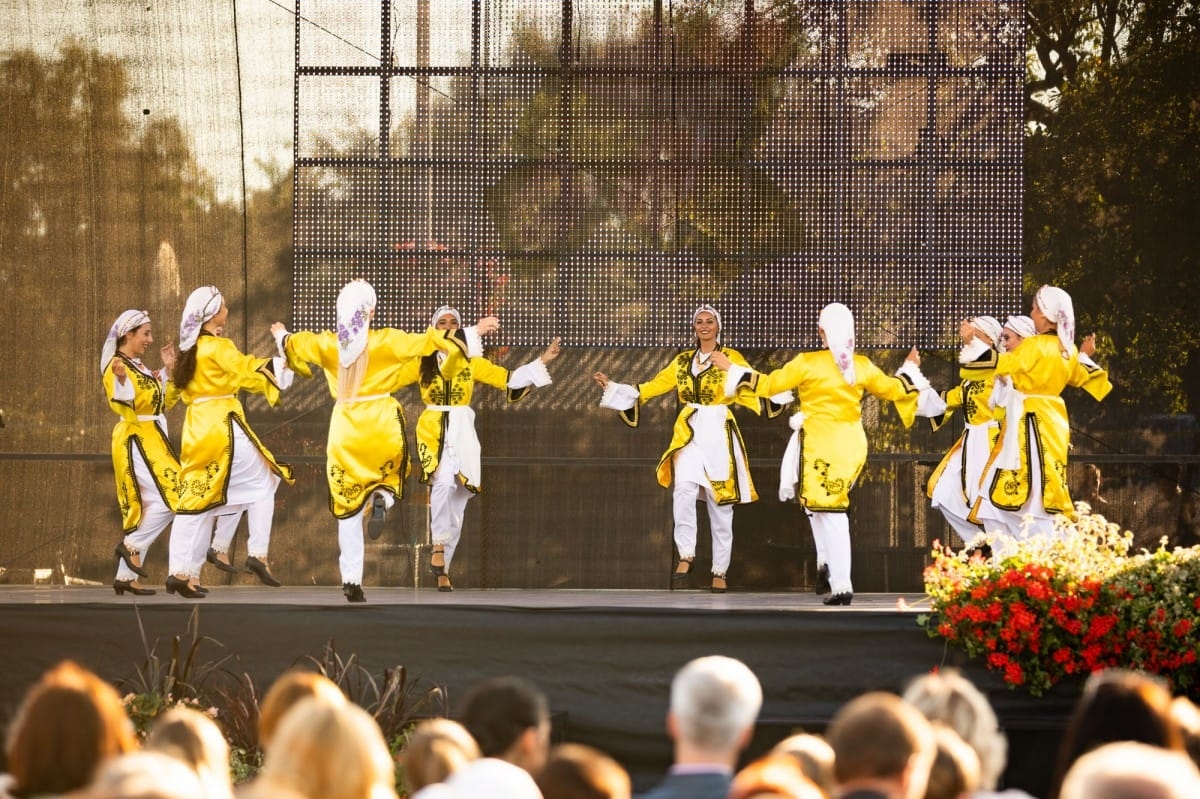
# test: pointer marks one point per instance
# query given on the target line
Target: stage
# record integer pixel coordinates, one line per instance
(605, 658)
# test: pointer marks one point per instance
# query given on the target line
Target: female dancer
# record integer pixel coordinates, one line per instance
(447, 444)
(224, 466)
(1025, 482)
(367, 449)
(706, 456)
(954, 484)
(144, 461)
(829, 449)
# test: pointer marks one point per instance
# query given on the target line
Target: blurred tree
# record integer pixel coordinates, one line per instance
(1113, 186)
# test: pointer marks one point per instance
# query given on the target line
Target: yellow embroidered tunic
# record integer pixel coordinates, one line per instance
(452, 387)
(139, 428)
(968, 456)
(696, 392)
(833, 444)
(367, 447)
(212, 410)
(1040, 373)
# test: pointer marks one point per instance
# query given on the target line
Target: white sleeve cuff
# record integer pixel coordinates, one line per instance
(733, 376)
(283, 375)
(913, 373)
(930, 403)
(279, 338)
(533, 373)
(123, 392)
(619, 396)
(474, 342)
(783, 397)
(1087, 361)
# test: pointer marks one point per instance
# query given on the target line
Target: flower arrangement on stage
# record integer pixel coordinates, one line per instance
(1041, 611)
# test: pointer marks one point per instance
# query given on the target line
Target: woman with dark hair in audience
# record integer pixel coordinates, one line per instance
(68, 724)
(1117, 705)
(224, 467)
(144, 462)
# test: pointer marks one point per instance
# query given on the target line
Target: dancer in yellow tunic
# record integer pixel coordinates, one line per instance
(954, 485)
(367, 452)
(829, 449)
(225, 468)
(144, 461)
(706, 457)
(447, 445)
(1025, 483)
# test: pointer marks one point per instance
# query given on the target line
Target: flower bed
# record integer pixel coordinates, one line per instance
(1044, 610)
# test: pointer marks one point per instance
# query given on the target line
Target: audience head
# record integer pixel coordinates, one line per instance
(194, 739)
(510, 719)
(949, 698)
(148, 775)
(955, 770)
(331, 751)
(1118, 705)
(714, 703)
(435, 750)
(1187, 716)
(814, 756)
(1131, 770)
(773, 777)
(68, 724)
(575, 771)
(289, 689)
(488, 777)
(879, 740)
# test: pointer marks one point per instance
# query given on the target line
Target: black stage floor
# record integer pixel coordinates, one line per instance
(605, 658)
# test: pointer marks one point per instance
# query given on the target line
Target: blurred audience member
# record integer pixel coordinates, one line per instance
(290, 688)
(324, 750)
(714, 703)
(1130, 770)
(1117, 705)
(436, 749)
(1187, 716)
(146, 775)
(814, 756)
(947, 697)
(510, 720)
(774, 777)
(575, 771)
(196, 740)
(955, 770)
(883, 748)
(69, 722)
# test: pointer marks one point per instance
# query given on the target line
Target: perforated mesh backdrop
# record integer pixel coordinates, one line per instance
(596, 168)
(767, 162)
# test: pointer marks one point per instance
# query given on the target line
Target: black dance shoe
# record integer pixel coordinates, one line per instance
(256, 566)
(212, 558)
(353, 592)
(680, 579)
(445, 587)
(121, 586)
(719, 585)
(822, 586)
(377, 516)
(839, 599)
(181, 587)
(122, 552)
(438, 571)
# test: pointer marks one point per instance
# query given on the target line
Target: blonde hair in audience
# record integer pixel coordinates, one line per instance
(290, 688)
(436, 749)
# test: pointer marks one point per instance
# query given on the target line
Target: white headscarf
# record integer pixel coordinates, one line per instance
(1023, 326)
(706, 308)
(202, 304)
(445, 309)
(1057, 306)
(990, 326)
(355, 302)
(838, 324)
(127, 321)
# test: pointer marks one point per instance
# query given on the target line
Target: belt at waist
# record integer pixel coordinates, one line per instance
(364, 398)
(444, 408)
(145, 418)
(198, 400)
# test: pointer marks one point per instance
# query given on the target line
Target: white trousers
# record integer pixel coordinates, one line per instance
(351, 549)
(448, 500)
(720, 520)
(192, 533)
(831, 534)
(156, 515)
